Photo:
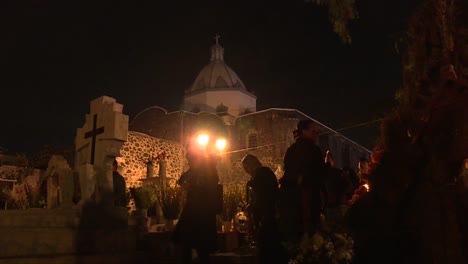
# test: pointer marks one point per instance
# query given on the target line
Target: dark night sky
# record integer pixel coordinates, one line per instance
(57, 56)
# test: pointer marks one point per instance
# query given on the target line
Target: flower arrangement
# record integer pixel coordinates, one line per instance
(160, 157)
(233, 201)
(323, 248)
(329, 245)
(17, 197)
(24, 195)
(171, 200)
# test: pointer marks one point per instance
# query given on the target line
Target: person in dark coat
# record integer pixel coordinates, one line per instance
(264, 194)
(352, 180)
(337, 184)
(301, 184)
(120, 197)
(196, 228)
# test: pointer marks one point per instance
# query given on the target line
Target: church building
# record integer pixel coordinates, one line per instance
(219, 105)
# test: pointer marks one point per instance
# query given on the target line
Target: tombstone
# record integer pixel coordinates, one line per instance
(97, 144)
(60, 188)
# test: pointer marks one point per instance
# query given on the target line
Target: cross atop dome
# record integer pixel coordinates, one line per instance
(217, 52)
(218, 84)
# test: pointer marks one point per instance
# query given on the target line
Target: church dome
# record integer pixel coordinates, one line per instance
(217, 75)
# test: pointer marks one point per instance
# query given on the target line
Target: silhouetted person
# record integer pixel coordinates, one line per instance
(250, 202)
(196, 228)
(336, 184)
(352, 181)
(264, 193)
(302, 182)
(120, 197)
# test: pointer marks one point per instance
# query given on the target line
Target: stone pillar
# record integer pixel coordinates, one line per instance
(149, 170)
(162, 169)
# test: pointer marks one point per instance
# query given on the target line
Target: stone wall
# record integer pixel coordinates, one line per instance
(139, 148)
(10, 172)
(29, 175)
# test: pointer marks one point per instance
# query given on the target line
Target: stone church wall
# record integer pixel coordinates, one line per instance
(139, 148)
(273, 129)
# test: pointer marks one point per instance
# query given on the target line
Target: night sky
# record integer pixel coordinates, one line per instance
(57, 56)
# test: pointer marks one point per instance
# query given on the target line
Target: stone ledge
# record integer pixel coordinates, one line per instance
(232, 258)
(56, 241)
(38, 217)
(36, 241)
(74, 259)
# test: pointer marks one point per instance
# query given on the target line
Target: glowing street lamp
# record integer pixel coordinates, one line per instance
(220, 144)
(203, 139)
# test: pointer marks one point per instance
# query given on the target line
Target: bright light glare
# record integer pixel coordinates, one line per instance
(220, 144)
(203, 139)
(366, 186)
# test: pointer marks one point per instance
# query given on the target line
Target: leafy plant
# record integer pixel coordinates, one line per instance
(233, 200)
(323, 247)
(17, 197)
(141, 196)
(28, 191)
(340, 13)
(171, 200)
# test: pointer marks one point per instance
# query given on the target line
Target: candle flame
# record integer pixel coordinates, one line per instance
(366, 186)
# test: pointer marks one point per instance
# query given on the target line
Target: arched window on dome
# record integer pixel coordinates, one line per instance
(221, 83)
(252, 140)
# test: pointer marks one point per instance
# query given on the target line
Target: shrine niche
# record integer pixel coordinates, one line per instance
(60, 187)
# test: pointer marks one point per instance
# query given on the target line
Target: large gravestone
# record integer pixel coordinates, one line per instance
(103, 227)
(97, 143)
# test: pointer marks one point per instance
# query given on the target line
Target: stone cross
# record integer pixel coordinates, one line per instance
(93, 134)
(97, 144)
